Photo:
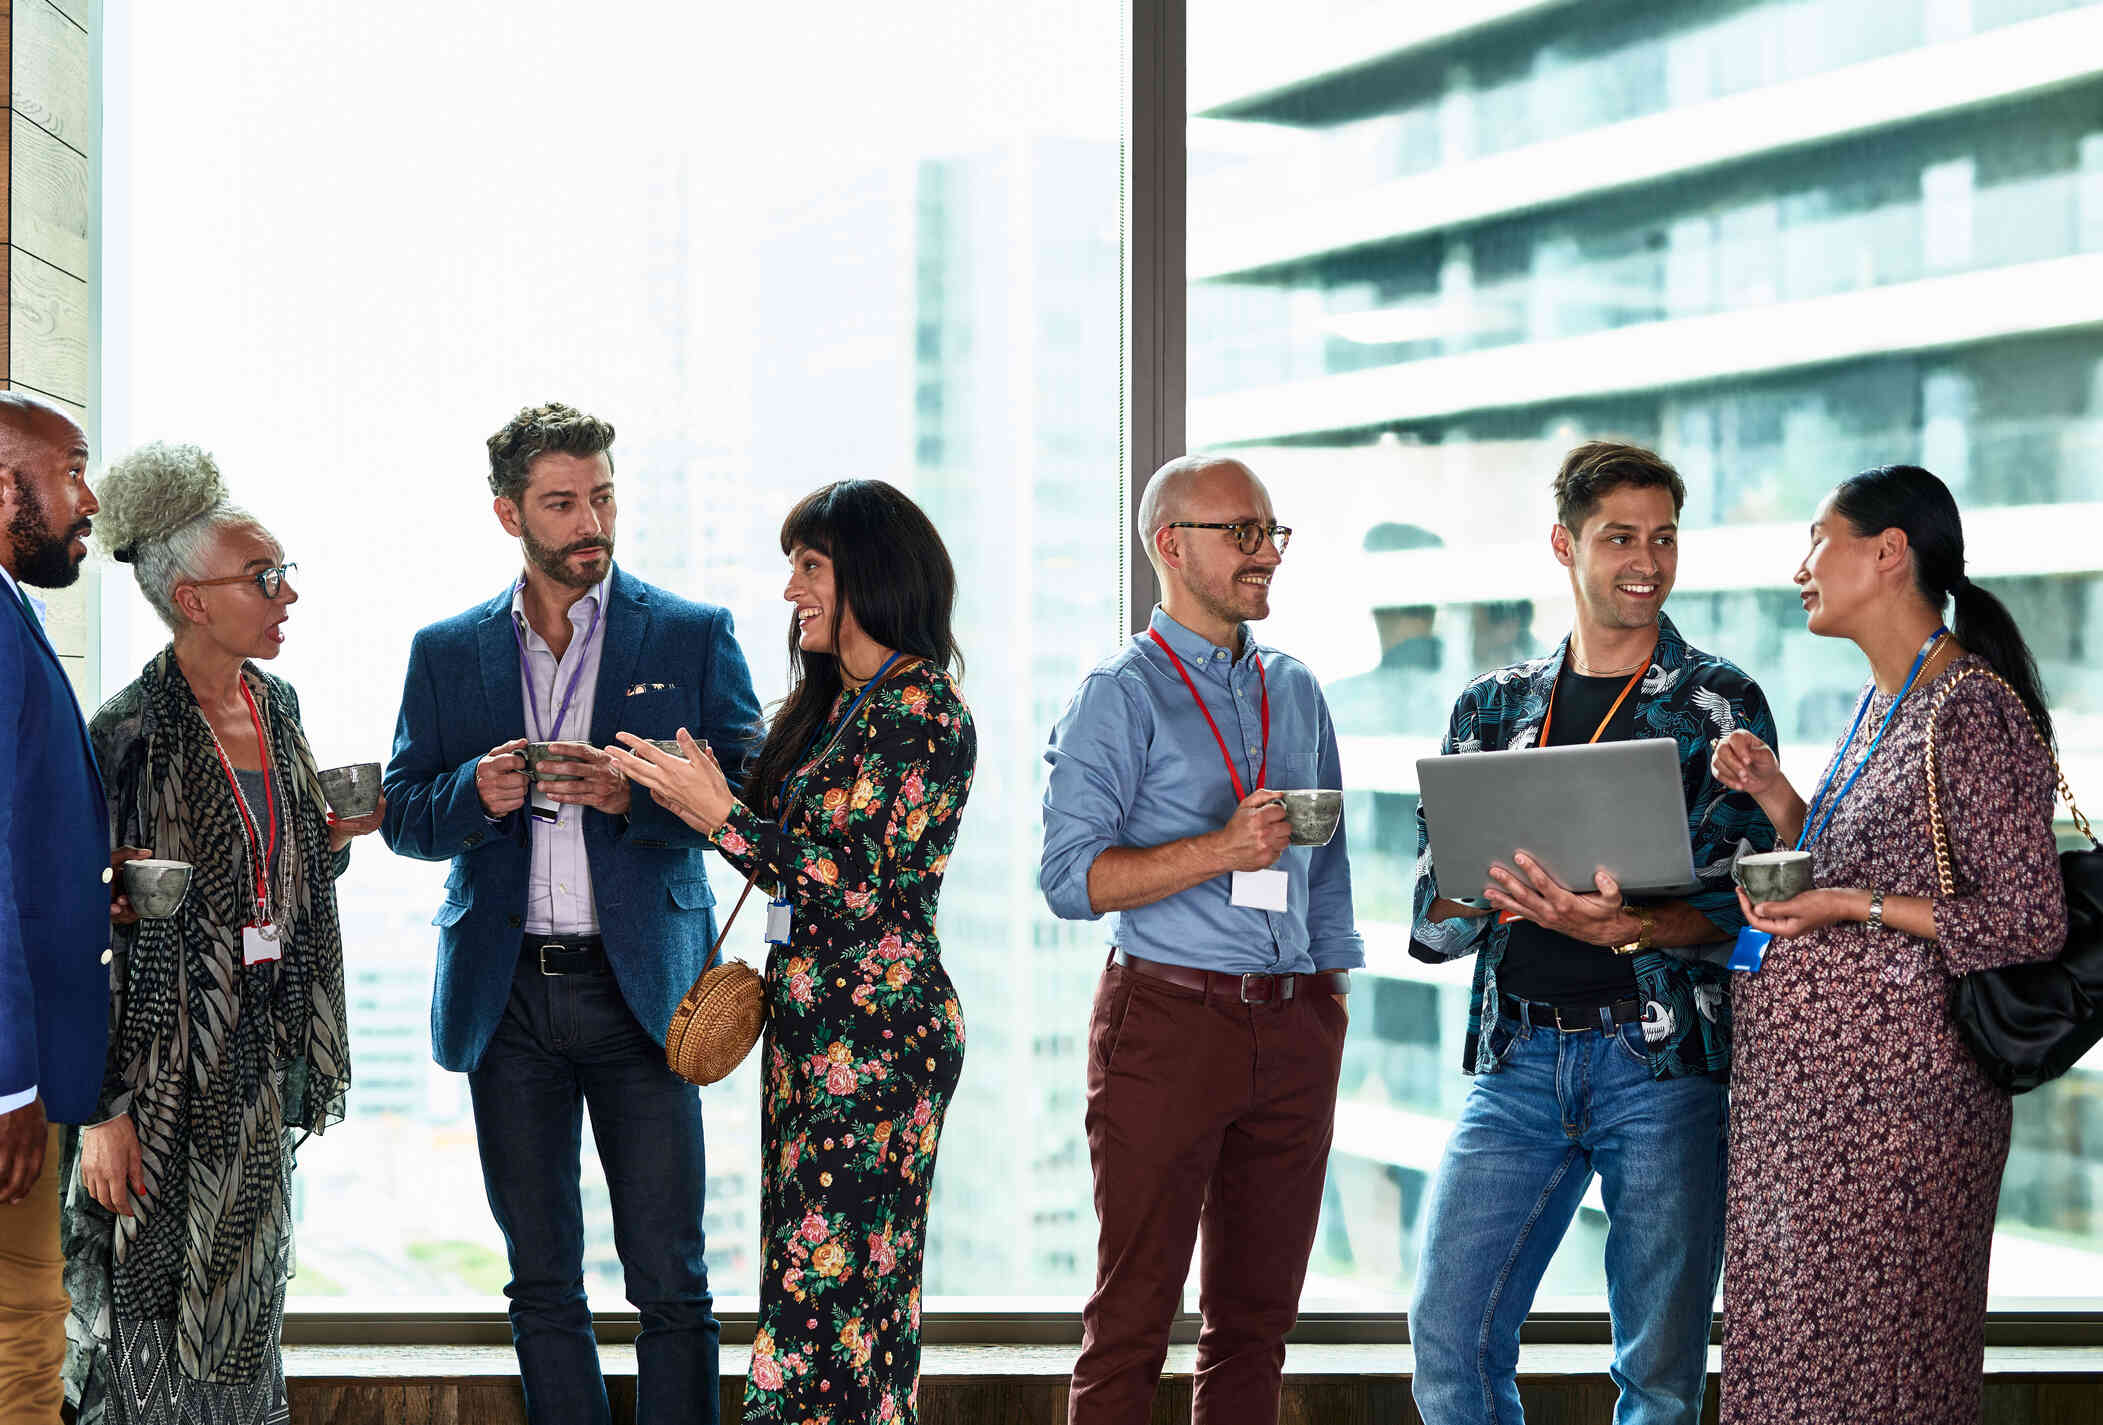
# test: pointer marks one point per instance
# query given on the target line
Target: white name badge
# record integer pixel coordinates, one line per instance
(1260, 890)
(260, 943)
(778, 917)
(544, 807)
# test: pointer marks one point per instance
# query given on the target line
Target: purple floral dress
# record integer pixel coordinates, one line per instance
(1866, 1146)
(864, 1048)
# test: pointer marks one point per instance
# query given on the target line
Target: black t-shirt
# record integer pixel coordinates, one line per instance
(1542, 964)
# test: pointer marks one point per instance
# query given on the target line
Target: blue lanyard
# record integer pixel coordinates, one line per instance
(805, 762)
(1806, 838)
(525, 669)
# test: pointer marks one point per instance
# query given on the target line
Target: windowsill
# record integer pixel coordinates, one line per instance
(973, 1324)
(1357, 1362)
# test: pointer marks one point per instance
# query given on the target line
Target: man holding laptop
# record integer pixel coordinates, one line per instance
(1597, 1051)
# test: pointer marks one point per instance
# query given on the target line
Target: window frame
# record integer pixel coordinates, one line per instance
(1153, 405)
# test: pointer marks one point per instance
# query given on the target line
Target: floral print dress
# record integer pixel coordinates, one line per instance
(1866, 1145)
(864, 1048)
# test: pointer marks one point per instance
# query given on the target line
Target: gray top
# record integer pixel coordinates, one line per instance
(258, 804)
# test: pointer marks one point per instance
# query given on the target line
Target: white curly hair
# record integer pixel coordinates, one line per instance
(163, 505)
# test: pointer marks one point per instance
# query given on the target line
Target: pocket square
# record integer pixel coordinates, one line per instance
(640, 688)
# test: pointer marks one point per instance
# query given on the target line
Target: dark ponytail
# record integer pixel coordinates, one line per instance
(1908, 498)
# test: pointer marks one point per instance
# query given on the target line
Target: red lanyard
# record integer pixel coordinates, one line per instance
(1264, 770)
(1549, 721)
(248, 825)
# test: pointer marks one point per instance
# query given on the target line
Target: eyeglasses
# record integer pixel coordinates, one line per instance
(1248, 535)
(270, 581)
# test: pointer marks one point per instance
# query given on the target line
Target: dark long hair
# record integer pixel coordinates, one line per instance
(889, 568)
(1907, 497)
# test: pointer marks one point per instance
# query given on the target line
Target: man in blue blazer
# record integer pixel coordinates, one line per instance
(577, 914)
(54, 895)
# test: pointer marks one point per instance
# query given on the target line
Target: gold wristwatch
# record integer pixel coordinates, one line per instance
(1646, 926)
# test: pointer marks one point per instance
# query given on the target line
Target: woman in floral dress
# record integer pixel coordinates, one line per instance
(1866, 1144)
(853, 808)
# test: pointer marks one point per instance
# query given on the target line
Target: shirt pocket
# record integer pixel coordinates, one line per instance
(1292, 771)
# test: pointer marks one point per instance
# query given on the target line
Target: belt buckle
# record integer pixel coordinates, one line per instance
(1245, 988)
(544, 959)
(1562, 1028)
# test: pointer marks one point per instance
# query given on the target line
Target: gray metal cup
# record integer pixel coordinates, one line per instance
(1313, 815)
(536, 753)
(156, 887)
(354, 790)
(1773, 876)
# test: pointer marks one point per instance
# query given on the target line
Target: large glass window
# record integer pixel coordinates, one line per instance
(776, 247)
(1426, 258)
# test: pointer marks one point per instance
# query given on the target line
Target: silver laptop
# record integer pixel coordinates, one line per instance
(1576, 810)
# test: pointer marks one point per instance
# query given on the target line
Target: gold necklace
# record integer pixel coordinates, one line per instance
(1607, 672)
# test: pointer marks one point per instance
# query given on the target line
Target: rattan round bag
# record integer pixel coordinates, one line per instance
(717, 1023)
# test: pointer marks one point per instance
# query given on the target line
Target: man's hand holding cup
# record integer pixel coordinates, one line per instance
(1256, 835)
(500, 778)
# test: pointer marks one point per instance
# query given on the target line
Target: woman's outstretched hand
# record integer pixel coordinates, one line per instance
(1745, 764)
(693, 788)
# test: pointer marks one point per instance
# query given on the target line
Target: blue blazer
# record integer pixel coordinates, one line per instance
(54, 904)
(667, 663)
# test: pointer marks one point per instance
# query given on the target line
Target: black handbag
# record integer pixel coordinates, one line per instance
(2028, 1024)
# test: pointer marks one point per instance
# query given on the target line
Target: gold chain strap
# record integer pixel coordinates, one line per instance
(1943, 870)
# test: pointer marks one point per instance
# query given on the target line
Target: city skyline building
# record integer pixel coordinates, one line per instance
(1778, 240)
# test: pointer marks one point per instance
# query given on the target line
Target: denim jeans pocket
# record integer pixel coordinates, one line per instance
(1499, 1036)
(1629, 1039)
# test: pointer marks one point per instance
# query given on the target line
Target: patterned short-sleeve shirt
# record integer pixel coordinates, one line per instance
(1694, 698)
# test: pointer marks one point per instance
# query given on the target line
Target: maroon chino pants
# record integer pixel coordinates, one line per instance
(1201, 1110)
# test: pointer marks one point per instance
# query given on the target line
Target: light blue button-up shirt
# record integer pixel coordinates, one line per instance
(1134, 764)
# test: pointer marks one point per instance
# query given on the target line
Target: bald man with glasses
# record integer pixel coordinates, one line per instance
(1219, 1022)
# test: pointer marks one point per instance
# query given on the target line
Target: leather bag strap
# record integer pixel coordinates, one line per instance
(1944, 871)
(716, 950)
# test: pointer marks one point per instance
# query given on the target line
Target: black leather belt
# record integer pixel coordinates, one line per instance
(567, 954)
(1248, 989)
(1571, 1019)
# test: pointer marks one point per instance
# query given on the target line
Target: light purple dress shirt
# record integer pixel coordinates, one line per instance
(558, 888)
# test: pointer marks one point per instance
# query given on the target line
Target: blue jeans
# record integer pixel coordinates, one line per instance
(567, 1041)
(1562, 1107)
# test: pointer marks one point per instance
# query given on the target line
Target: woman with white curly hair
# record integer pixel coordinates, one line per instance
(227, 1032)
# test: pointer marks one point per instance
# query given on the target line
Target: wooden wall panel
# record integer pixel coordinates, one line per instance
(53, 200)
(7, 61)
(54, 71)
(51, 330)
(49, 264)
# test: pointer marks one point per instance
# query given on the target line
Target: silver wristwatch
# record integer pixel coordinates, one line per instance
(1876, 910)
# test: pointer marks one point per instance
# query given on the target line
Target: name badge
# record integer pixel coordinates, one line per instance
(1751, 949)
(1260, 890)
(260, 943)
(544, 807)
(778, 917)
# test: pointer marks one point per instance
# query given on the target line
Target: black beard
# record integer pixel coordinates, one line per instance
(40, 560)
(555, 562)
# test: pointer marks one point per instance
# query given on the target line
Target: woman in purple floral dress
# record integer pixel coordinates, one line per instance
(1866, 1145)
(855, 801)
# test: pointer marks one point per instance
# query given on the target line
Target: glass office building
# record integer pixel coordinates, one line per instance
(1778, 240)
(1429, 247)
